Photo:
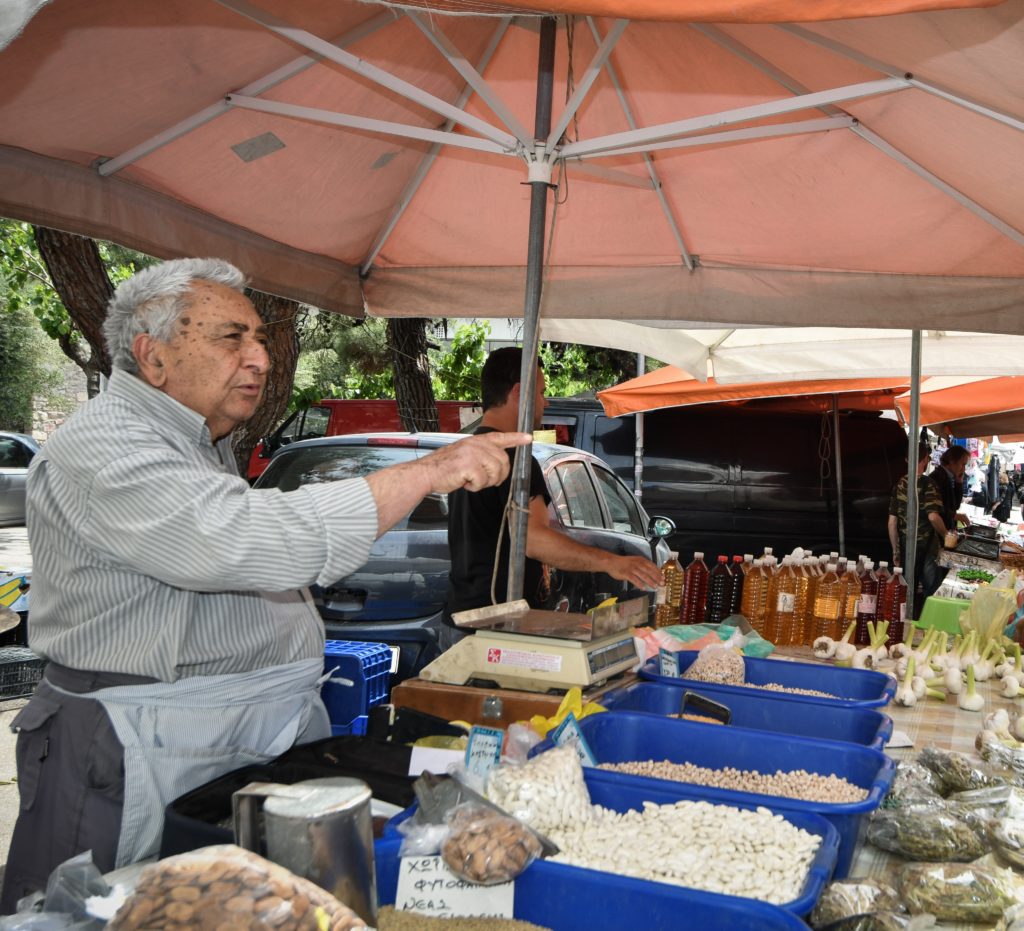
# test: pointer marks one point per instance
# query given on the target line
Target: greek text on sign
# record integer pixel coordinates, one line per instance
(427, 886)
(524, 659)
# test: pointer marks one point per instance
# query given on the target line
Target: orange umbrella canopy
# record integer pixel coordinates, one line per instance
(975, 407)
(672, 387)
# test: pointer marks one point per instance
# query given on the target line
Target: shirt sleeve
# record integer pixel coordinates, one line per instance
(200, 529)
(894, 499)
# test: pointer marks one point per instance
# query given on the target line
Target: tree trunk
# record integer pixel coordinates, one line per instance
(80, 279)
(407, 338)
(279, 314)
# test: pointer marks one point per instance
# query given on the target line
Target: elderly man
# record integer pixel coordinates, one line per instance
(948, 477)
(168, 596)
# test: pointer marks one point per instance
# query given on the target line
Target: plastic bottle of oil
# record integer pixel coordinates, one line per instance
(884, 578)
(754, 603)
(695, 591)
(867, 604)
(805, 585)
(719, 591)
(780, 624)
(828, 605)
(669, 596)
(894, 606)
(851, 595)
(738, 578)
(748, 562)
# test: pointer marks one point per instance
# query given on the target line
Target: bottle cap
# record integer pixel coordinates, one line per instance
(737, 559)
(723, 558)
(831, 567)
(898, 570)
(747, 557)
(767, 551)
(698, 555)
(673, 554)
(759, 562)
(883, 564)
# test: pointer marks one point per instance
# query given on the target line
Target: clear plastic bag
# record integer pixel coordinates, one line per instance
(546, 792)
(881, 921)
(926, 833)
(992, 802)
(957, 772)
(1002, 755)
(853, 897)
(486, 847)
(64, 905)
(1007, 838)
(718, 663)
(229, 885)
(913, 783)
(969, 892)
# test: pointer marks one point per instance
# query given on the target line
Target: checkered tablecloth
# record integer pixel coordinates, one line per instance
(928, 723)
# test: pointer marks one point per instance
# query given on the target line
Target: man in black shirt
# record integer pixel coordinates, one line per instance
(475, 521)
(949, 479)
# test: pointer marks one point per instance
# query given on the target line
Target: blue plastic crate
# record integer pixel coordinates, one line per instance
(360, 678)
(621, 736)
(568, 893)
(762, 711)
(356, 726)
(852, 687)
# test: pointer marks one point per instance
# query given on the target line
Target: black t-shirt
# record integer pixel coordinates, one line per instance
(474, 519)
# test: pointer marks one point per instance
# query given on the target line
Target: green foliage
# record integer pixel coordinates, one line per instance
(571, 370)
(26, 368)
(455, 372)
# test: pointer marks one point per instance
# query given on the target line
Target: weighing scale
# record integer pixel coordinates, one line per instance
(519, 647)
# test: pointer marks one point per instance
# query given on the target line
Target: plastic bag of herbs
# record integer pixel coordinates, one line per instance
(848, 897)
(957, 772)
(978, 892)
(928, 831)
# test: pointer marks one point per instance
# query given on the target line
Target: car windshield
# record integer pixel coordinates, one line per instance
(332, 463)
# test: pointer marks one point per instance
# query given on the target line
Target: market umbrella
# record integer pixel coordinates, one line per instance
(971, 407)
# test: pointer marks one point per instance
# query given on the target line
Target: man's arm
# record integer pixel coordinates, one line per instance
(894, 539)
(935, 518)
(473, 463)
(558, 550)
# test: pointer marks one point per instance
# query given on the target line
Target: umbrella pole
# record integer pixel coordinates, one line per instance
(839, 474)
(910, 556)
(638, 448)
(539, 185)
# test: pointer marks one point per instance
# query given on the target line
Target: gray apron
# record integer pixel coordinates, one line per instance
(180, 735)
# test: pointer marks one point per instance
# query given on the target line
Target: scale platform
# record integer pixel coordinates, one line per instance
(518, 647)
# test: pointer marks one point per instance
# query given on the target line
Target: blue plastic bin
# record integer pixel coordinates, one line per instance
(856, 687)
(360, 674)
(356, 726)
(621, 736)
(761, 711)
(567, 898)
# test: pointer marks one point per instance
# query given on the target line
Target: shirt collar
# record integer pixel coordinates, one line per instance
(165, 414)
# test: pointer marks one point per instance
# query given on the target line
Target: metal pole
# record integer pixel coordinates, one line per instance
(913, 438)
(638, 448)
(531, 316)
(839, 474)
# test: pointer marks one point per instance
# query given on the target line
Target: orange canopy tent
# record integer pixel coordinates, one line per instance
(672, 387)
(972, 407)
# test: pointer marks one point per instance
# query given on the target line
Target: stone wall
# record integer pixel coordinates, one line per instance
(51, 411)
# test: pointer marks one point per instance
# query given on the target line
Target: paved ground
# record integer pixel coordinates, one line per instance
(14, 553)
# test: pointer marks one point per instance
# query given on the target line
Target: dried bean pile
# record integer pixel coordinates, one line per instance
(797, 783)
(775, 687)
(704, 719)
(718, 848)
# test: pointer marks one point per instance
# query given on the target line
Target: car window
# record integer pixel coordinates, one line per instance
(336, 463)
(310, 424)
(621, 504)
(575, 499)
(13, 453)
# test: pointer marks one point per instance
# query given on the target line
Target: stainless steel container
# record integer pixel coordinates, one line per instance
(321, 829)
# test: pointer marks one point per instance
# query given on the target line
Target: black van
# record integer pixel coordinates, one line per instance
(738, 478)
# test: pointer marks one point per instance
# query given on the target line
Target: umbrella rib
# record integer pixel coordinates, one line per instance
(610, 144)
(428, 159)
(604, 49)
(868, 135)
(929, 87)
(257, 87)
(371, 72)
(473, 78)
(652, 172)
(350, 121)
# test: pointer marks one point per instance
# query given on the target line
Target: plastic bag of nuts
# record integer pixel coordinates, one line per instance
(718, 663)
(487, 847)
(226, 888)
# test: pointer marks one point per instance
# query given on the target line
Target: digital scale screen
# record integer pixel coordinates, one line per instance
(611, 655)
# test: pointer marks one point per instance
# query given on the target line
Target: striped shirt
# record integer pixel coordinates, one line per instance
(151, 555)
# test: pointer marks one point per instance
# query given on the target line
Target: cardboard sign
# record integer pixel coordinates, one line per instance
(427, 886)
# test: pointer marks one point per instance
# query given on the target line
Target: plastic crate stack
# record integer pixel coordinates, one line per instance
(359, 679)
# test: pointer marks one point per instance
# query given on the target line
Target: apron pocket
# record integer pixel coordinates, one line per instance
(33, 724)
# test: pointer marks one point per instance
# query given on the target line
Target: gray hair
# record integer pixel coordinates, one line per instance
(153, 299)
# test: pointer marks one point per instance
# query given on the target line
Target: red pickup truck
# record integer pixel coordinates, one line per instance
(331, 417)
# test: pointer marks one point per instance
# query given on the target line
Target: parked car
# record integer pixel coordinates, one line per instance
(332, 417)
(397, 597)
(16, 452)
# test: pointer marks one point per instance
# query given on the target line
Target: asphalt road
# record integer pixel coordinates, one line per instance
(14, 554)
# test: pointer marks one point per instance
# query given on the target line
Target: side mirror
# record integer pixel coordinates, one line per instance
(265, 451)
(661, 527)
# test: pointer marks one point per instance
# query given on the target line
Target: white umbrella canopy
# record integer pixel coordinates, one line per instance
(756, 354)
(862, 171)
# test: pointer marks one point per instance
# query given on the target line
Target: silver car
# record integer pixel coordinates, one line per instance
(398, 595)
(16, 452)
